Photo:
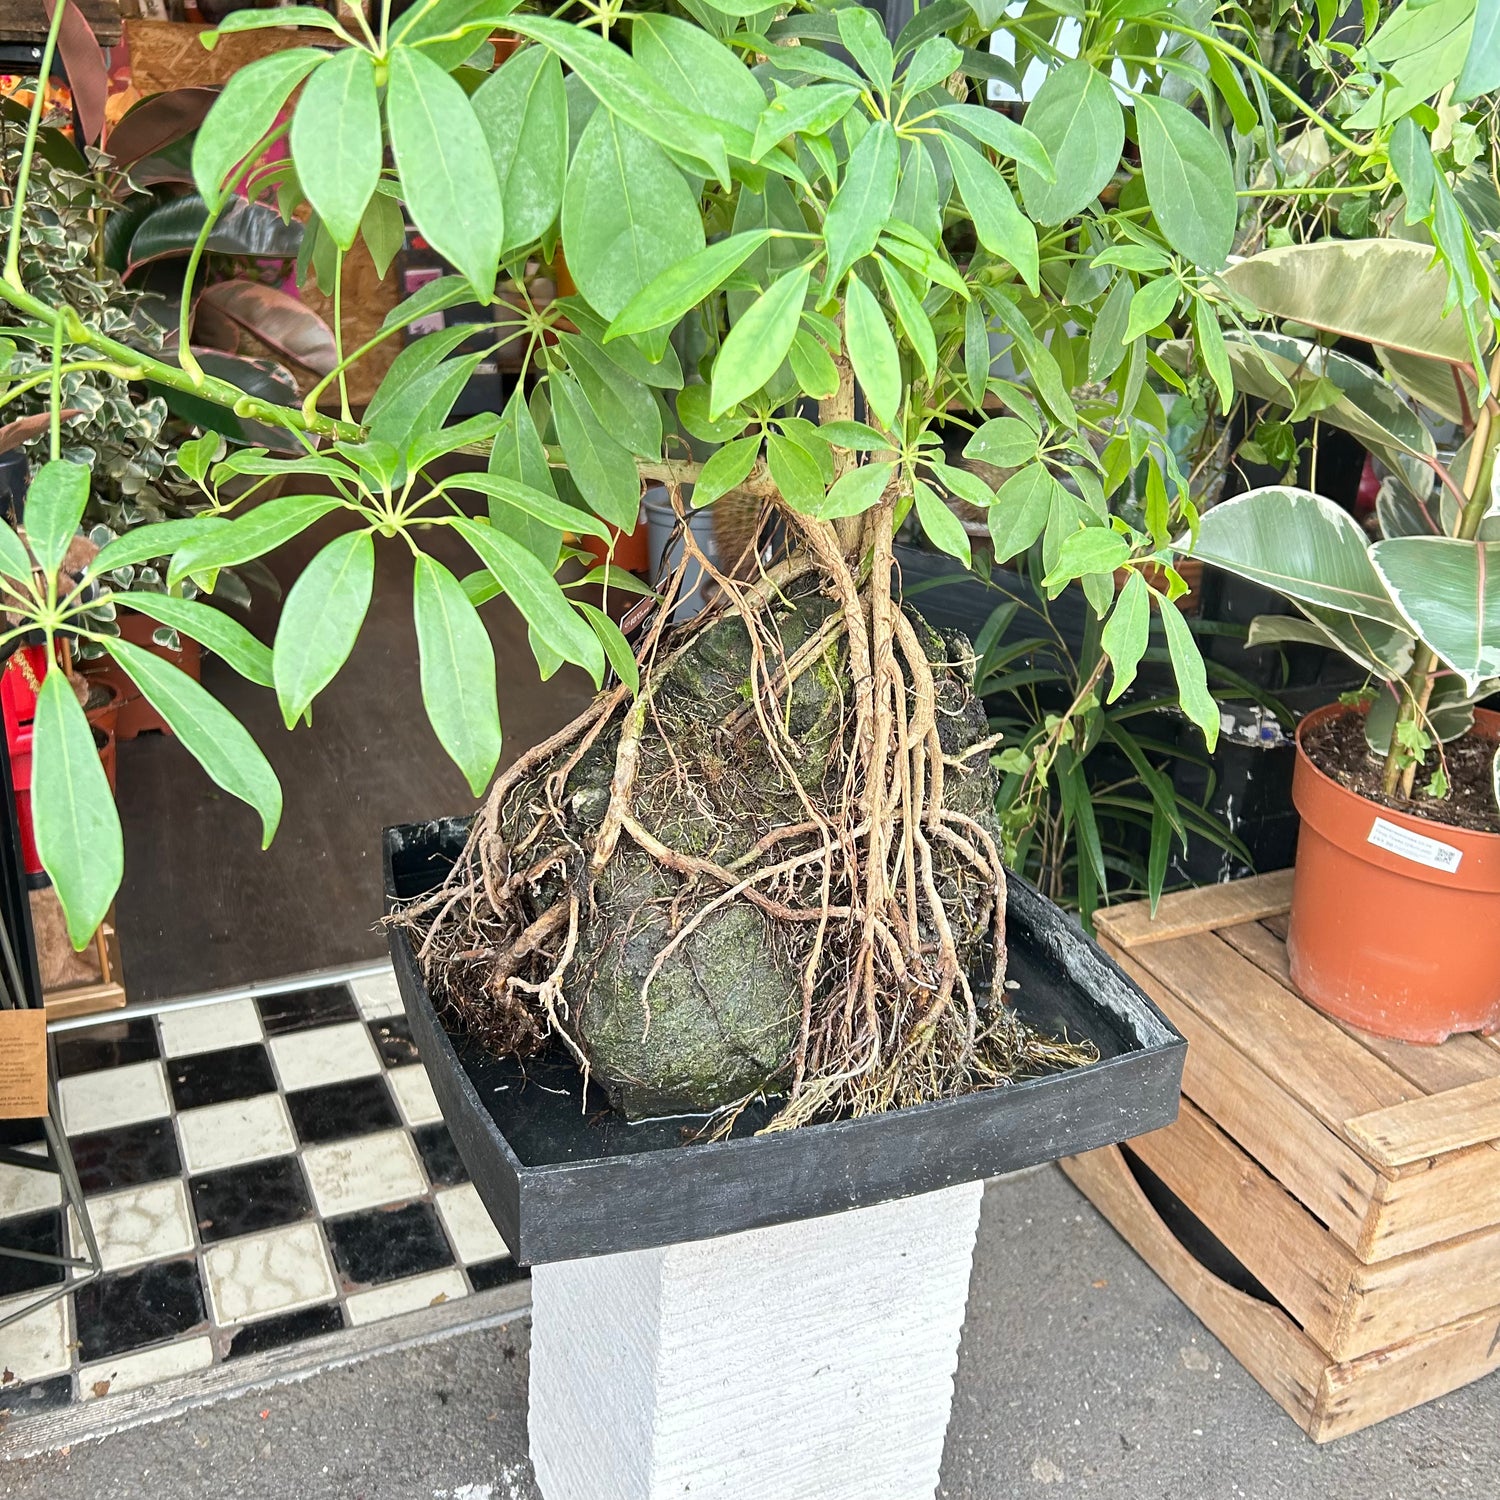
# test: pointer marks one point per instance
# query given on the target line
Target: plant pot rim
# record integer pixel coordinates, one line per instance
(615, 1187)
(1485, 719)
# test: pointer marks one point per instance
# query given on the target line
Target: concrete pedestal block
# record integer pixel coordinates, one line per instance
(809, 1361)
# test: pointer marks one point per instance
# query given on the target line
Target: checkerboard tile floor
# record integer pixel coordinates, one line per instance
(257, 1172)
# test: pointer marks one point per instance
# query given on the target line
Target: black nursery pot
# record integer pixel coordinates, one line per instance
(564, 1177)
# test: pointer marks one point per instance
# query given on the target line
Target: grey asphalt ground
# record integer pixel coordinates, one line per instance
(1080, 1375)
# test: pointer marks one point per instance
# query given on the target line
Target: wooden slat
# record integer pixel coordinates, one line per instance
(1282, 1245)
(1325, 1174)
(1432, 1201)
(1460, 1060)
(1467, 1116)
(1269, 1345)
(1307, 1054)
(1201, 910)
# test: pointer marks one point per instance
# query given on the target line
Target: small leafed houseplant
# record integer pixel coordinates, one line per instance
(765, 861)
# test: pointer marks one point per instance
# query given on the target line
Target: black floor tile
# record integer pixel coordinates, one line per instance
(127, 1156)
(393, 1041)
(288, 1328)
(300, 1009)
(242, 1200)
(493, 1273)
(127, 1311)
(20, 1132)
(216, 1077)
(439, 1155)
(342, 1109)
(111, 1044)
(387, 1244)
(42, 1235)
(36, 1396)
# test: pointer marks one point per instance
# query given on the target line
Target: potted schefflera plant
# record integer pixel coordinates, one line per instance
(759, 882)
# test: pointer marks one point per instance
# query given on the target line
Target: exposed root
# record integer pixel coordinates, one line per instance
(879, 891)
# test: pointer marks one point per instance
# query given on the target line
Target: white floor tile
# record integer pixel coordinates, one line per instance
(138, 1224)
(113, 1096)
(35, 1346)
(377, 998)
(275, 1272)
(470, 1229)
(23, 1191)
(324, 1054)
(207, 1028)
(223, 1135)
(395, 1297)
(364, 1172)
(129, 1372)
(414, 1096)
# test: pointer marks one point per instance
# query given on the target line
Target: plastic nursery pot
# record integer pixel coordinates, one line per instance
(1395, 924)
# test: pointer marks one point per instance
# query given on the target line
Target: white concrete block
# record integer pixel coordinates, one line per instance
(809, 1361)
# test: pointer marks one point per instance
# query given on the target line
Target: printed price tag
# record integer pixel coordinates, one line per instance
(1433, 853)
(23, 1064)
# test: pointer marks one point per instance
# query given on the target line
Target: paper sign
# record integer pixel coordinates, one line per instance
(23, 1064)
(1417, 847)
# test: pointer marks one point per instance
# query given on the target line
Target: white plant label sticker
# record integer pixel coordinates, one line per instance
(1433, 853)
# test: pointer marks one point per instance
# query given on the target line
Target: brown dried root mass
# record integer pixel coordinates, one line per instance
(773, 872)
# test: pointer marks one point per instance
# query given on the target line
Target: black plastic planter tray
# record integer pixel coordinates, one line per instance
(562, 1181)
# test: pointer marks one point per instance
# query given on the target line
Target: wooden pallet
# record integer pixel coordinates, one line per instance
(1356, 1179)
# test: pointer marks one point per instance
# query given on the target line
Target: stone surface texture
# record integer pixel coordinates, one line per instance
(811, 1361)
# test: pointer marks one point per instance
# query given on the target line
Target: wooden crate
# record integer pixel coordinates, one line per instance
(1357, 1180)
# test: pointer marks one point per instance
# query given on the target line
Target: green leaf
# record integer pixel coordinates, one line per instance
(863, 33)
(420, 408)
(320, 621)
(73, 810)
(795, 472)
(758, 342)
(812, 110)
(256, 20)
(146, 543)
(616, 647)
(603, 469)
(1189, 180)
(1002, 228)
(1107, 338)
(1019, 514)
(522, 108)
(692, 413)
(628, 214)
(1151, 305)
(1448, 591)
(1126, 632)
(697, 69)
(935, 59)
(1006, 442)
(336, 143)
(626, 409)
(458, 672)
(1411, 160)
(812, 366)
(1481, 70)
(863, 201)
(518, 455)
(383, 230)
(447, 172)
(1090, 549)
(857, 490)
(1212, 351)
(53, 508)
(872, 351)
(536, 594)
(1187, 666)
(944, 530)
(210, 627)
(855, 436)
(14, 563)
(1081, 127)
(912, 317)
(623, 87)
(1385, 292)
(244, 112)
(977, 356)
(681, 287)
(513, 495)
(1002, 134)
(209, 732)
(1297, 544)
(725, 468)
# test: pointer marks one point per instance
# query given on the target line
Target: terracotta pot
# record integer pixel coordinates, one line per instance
(1395, 923)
